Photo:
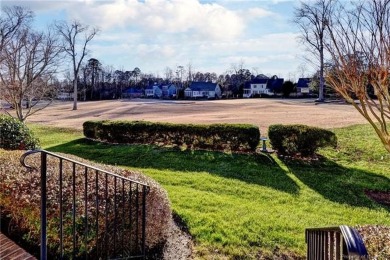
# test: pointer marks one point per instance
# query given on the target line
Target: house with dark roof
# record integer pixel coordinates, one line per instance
(257, 86)
(153, 91)
(263, 86)
(303, 86)
(169, 91)
(203, 90)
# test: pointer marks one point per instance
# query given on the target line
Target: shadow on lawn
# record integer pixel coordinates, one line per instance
(251, 168)
(340, 184)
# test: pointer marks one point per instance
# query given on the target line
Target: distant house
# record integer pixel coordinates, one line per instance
(132, 93)
(169, 91)
(263, 86)
(303, 86)
(256, 87)
(203, 90)
(275, 84)
(65, 96)
(153, 91)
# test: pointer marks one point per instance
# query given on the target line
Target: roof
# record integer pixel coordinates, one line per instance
(275, 84)
(199, 86)
(169, 85)
(258, 81)
(153, 86)
(303, 82)
(255, 81)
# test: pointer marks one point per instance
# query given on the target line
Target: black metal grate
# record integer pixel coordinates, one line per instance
(336, 243)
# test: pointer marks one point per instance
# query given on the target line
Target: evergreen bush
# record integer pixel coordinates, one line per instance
(300, 139)
(236, 137)
(15, 135)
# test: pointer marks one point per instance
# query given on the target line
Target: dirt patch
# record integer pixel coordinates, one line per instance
(179, 244)
(381, 197)
(260, 112)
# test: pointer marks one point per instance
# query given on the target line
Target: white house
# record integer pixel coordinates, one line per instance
(256, 87)
(203, 90)
(303, 86)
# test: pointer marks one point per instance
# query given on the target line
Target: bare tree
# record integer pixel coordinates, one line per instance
(29, 62)
(312, 19)
(71, 34)
(190, 72)
(168, 74)
(11, 20)
(360, 51)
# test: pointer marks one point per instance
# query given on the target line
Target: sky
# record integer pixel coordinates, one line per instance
(211, 35)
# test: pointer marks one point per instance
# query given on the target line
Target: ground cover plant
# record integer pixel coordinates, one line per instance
(254, 206)
(20, 200)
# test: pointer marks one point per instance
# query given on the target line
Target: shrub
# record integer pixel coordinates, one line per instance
(15, 135)
(234, 137)
(300, 139)
(20, 201)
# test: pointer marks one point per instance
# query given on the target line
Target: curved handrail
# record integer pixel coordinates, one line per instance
(354, 242)
(24, 156)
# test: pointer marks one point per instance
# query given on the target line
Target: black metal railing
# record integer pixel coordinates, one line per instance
(88, 212)
(341, 242)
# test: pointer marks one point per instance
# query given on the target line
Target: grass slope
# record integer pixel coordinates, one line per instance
(243, 206)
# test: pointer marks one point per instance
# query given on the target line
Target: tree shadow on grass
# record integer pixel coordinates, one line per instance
(338, 183)
(250, 168)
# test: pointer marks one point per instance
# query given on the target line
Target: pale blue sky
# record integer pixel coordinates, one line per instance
(211, 35)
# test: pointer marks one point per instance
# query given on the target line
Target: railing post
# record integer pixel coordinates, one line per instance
(43, 207)
(144, 192)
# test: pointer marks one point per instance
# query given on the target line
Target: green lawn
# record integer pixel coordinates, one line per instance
(239, 205)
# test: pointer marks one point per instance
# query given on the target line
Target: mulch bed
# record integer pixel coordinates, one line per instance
(382, 197)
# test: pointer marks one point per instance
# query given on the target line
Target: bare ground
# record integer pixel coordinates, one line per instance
(260, 112)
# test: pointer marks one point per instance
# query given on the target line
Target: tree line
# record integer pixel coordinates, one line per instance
(31, 60)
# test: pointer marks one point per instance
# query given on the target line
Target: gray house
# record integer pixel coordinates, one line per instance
(203, 90)
(169, 91)
(153, 91)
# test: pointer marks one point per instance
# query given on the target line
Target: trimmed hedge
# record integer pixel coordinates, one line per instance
(235, 137)
(15, 135)
(300, 139)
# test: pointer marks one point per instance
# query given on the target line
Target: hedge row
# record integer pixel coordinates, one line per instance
(235, 137)
(300, 139)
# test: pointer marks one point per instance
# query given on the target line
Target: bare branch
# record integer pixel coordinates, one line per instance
(312, 20)
(359, 47)
(71, 40)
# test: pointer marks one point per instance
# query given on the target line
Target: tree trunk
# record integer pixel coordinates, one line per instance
(322, 83)
(75, 94)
